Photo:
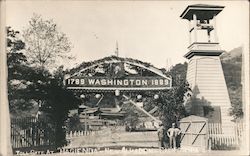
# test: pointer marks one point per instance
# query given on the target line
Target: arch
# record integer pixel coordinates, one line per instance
(128, 61)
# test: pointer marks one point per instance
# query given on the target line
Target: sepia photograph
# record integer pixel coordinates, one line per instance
(107, 78)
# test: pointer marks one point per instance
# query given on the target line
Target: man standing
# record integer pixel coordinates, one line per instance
(161, 136)
(172, 134)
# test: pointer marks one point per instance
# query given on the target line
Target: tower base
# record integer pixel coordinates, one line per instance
(210, 95)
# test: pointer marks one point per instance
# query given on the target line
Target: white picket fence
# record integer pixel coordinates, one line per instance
(217, 139)
(220, 140)
(73, 134)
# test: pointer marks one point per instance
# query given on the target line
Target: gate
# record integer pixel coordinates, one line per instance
(194, 133)
(29, 133)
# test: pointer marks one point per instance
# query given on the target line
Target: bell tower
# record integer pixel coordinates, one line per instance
(205, 74)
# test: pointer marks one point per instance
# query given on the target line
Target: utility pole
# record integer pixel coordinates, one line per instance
(168, 64)
(116, 50)
(85, 123)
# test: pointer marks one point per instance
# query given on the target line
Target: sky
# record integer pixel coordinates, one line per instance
(151, 31)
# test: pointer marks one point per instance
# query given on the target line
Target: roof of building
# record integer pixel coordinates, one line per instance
(91, 110)
(83, 106)
(72, 112)
(110, 110)
(202, 11)
(193, 118)
(104, 111)
(112, 114)
(206, 6)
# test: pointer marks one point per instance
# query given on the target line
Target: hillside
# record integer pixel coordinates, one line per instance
(231, 64)
(232, 54)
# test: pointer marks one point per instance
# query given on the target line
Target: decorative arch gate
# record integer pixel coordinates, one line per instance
(114, 79)
(116, 75)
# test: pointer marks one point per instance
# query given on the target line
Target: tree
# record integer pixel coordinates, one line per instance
(46, 46)
(53, 99)
(32, 87)
(57, 103)
(171, 106)
(15, 56)
(236, 99)
(17, 66)
(131, 118)
(73, 123)
(178, 73)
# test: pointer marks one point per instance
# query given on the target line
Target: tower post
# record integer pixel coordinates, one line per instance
(215, 29)
(195, 27)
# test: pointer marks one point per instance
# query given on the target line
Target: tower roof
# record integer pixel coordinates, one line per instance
(202, 11)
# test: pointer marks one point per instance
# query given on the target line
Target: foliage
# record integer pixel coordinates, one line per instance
(32, 87)
(172, 101)
(110, 58)
(74, 124)
(45, 44)
(17, 81)
(53, 100)
(57, 101)
(236, 99)
(13, 42)
(131, 118)
(232, 73)
(171, 106)
(178, 73)
(200, 106)
(15, 56)
(231, 64)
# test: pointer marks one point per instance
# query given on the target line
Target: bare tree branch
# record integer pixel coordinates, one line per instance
(45, 44)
